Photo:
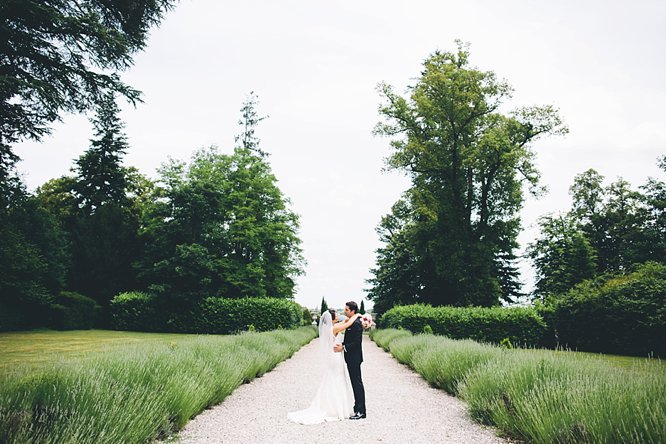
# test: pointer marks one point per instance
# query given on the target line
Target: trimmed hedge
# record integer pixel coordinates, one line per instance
(135, 311)
(73, 311)
(224, 316)
(142, 312)
(521, 325)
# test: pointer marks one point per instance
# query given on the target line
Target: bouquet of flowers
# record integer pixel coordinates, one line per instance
(366, 321)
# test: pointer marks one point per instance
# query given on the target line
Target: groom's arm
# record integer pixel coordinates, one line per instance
(355, 339)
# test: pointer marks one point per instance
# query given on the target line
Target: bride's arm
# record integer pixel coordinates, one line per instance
(343, 325)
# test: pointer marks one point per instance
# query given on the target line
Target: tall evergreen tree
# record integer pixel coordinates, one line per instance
(100, 175)
(104, 231)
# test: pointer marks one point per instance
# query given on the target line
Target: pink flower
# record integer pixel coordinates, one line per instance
(366, 321)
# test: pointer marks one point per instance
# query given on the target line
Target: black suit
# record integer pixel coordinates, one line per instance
(353, 358)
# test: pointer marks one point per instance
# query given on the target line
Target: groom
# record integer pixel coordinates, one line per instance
(353, 358)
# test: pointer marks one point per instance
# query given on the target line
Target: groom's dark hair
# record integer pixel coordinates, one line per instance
(353, 306)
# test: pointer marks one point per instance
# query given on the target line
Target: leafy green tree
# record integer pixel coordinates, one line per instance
(468, 163)
(620, 224)
(362, 307)
(654, 200)
(62, 56)
(396, 277)
(609, 229)
(324, 305)
(33, 260)
(562, 256)
(220, 226)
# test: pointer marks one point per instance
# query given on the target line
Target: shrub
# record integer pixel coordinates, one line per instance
(563, 397)
(222, 316)
(620, 314)
(135, 311)
(73, 311)
(541, 396)
(307, 316)
(385, 337)
(521, 325)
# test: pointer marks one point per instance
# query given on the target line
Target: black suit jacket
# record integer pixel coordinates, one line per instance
(352, 343)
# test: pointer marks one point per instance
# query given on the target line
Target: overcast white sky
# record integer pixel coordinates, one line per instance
(315, 66)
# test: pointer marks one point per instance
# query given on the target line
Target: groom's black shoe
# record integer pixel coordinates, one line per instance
(357, 415)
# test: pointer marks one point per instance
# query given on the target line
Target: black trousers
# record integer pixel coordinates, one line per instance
(357, 386)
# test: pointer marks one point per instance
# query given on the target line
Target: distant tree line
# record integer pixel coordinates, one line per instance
(608, 230)
(217, 226)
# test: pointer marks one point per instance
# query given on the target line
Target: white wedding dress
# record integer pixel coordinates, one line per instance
(334, 399)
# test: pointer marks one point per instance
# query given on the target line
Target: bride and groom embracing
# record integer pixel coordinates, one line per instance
(334, 400)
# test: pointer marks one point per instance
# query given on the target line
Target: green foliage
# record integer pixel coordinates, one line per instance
(136, 393)
(220, 227)
(538, 395)
(385, 336)
(562, 256)
(451, 238)
(564, 397)
(324, 306)
(135, 311)
(622, 313)
(104, 226)
(307, 317)
(33, 260)
(63, 57)
(73, 311)
(361, 309)
(609, 229)
(521, 325)
(223, 316)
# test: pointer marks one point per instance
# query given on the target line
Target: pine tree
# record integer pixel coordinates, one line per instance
(362, 308)
(324, 305)
(101, 177)
(104, 232)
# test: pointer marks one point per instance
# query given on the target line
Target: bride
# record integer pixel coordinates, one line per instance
(334, 399)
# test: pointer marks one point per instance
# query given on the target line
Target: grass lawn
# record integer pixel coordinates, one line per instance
(43, 347)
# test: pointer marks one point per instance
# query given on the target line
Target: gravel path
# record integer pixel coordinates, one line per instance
(402, 408)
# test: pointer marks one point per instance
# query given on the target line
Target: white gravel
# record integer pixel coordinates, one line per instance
(401, 407)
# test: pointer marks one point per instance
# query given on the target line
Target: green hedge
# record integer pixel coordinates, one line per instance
(73, 311)
(223, 316)
(521, 325)
(142, 312)
(620, 314)
(135, 311)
